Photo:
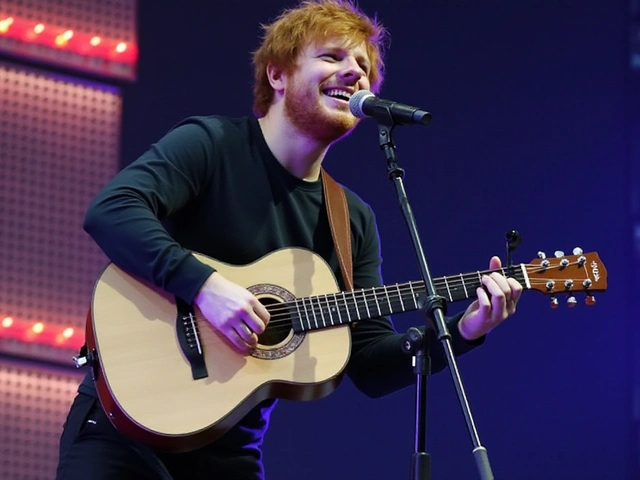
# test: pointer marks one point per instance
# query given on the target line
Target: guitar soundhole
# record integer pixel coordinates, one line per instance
(279, 339)
(279, 327)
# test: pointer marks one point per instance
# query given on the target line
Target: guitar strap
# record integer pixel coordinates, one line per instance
(338, 214)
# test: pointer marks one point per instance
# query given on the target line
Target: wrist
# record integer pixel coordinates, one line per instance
(204, 288)
(463, 331)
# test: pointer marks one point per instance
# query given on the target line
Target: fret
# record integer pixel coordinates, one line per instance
(400, 295)
(446, 283)
(375, 297)
(313, 311)
(398, 305)
(336, 308)
(413, 295)
(366, 304)
(466, 294)
(298, 309)
(324, 323)
(355, 302)
(326, 299)
(344, 298)
(303, 316)
(386, 293)
(306, 314)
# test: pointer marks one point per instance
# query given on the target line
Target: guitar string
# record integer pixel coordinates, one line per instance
(282, 313)
(394, 291)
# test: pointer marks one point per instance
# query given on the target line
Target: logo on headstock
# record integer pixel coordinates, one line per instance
(595, 270)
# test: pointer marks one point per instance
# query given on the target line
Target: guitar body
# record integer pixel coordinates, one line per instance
(145, 382)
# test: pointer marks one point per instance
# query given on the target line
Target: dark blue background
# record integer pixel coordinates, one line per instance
(531, 131)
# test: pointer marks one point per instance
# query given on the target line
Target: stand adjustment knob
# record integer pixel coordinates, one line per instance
(80, 361)
(412, 340)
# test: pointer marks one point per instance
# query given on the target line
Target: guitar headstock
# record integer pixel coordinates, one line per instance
(567, 275)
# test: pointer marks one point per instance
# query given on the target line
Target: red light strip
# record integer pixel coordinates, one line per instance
(60, 38)
(42, 333)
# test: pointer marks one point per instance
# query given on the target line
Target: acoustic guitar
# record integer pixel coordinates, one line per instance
(166, 378)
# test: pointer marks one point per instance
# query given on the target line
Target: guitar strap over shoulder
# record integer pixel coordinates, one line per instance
(338, 214)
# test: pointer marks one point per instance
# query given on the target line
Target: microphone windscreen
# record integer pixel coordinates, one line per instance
(356, 102)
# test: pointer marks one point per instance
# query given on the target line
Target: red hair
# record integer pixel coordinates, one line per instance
(314, 20)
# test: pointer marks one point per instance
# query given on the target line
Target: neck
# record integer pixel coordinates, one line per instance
(301, 155)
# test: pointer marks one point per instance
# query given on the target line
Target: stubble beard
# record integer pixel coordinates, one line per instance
(305, 112)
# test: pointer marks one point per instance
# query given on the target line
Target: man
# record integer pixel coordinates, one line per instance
(235, 190)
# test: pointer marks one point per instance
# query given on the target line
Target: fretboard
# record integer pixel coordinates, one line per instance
(323, 311)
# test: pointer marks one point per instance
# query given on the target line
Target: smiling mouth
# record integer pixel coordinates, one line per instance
(338, 94)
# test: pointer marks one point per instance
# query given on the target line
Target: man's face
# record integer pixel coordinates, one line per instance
(316, 97)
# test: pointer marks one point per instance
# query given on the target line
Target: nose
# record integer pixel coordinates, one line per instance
(352, 70)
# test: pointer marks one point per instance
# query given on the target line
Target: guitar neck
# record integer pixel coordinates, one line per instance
(322, 311)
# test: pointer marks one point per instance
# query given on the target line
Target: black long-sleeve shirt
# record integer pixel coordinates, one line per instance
(211, 185)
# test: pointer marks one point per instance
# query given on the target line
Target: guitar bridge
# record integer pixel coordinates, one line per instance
(189, 339)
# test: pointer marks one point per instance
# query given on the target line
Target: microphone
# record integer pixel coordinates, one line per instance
(364, 104)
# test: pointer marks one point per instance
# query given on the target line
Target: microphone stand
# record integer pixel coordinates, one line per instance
(415, 342)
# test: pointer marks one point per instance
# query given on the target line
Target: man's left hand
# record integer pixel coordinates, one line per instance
(495, 303)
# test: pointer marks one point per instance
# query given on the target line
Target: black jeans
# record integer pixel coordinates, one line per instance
(90, 447)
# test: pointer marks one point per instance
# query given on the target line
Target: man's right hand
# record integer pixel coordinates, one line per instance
(233, 311)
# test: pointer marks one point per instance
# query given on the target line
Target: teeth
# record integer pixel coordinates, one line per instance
(336, 92)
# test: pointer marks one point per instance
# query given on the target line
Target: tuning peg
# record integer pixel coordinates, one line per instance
(577, 251)
(571, 301)
(553, 302)
(542, 255)
(559, 253)
(590, 300)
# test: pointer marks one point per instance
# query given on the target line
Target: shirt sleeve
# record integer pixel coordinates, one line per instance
(378, 366)
(125, 218)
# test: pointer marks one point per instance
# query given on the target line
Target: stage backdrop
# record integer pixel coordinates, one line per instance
(529, 133)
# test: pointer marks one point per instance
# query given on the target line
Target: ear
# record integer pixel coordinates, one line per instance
(277, 77)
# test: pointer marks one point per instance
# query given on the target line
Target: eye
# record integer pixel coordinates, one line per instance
(330, 56)
(365, 68)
